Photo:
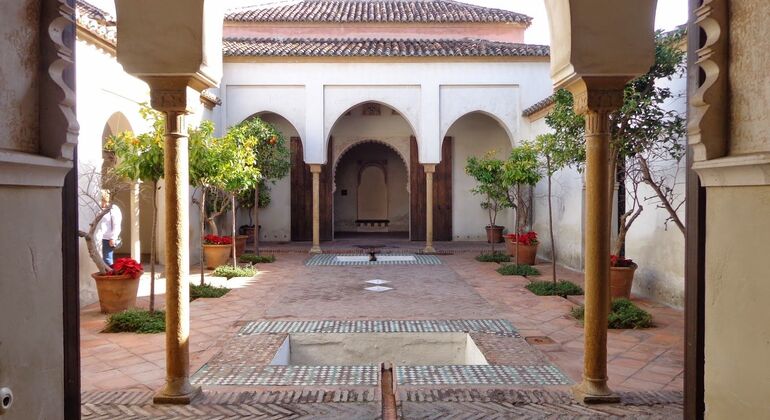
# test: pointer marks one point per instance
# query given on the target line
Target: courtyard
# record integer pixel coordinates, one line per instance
(532, 349)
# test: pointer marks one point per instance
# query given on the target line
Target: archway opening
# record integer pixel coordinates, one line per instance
(369, 155)
(136, 220)
(475, 134)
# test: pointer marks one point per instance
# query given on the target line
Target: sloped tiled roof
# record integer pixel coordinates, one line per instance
(96, 21)
(268, 47)
(538, 106)
(375, 11)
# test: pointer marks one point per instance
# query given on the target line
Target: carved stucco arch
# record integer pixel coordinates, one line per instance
(410, 120)
(500, 122)
(350, 146)
(289, 120)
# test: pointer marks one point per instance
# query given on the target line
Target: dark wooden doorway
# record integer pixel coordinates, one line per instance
(442, 194)
(302, 195)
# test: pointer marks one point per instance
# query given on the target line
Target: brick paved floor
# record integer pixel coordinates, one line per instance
(460, 288)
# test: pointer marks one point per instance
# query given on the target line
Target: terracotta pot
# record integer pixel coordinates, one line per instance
(249, 232)
(527, 253)
(494, 234)
(240, 244)
(217, 255)
(621, 280)
(116, 293)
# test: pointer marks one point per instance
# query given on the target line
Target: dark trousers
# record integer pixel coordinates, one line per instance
(107, 252)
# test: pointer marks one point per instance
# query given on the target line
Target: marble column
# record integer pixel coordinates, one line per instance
(430, 169)
(596, 104)
(316, 171)
(171, 96)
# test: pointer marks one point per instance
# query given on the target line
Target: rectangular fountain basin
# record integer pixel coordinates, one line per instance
(403, 349)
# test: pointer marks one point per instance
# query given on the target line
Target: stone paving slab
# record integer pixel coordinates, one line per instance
(292, 404)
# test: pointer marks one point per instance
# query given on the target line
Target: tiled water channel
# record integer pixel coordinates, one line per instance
(249, 359)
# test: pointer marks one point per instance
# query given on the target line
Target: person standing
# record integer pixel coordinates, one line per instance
(110, 228)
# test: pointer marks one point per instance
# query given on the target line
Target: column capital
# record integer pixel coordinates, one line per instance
(172, 93)
(598, 94)
(315, 168)
(429, 167)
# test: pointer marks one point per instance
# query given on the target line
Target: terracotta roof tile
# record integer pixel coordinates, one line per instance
(96, 21)
(379, 11)
(538, 106)
(268, 47)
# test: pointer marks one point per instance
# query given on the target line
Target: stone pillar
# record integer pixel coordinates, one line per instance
(170, 97)
(430, 169)
(316, 171)
(596, 103)
(136, 243)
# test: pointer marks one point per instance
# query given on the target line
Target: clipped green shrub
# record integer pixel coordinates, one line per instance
(257, 259)
(229, 271)
(496, 257)
(136, 320)
(623, 315)
(561, 288)
(518, 270)
(206, 291)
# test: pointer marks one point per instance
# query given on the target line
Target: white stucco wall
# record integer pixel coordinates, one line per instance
(105, 90)
(657, 249)
(430, 95)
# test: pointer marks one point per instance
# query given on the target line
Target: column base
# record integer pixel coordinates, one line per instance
(316, 249)
(590, 393)
(429, 250)
(162, 398)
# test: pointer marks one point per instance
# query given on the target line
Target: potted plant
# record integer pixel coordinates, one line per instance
(216, 250)
(488, 172)
(621, 276)
(522, 246)
(118, 286)
(521, 172)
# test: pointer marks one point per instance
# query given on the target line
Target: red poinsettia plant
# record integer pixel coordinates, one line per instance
(126, 266)
(527, 238)
(217, 240)
(618, 261)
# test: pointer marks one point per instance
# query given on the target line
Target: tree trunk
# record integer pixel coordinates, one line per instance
(93, 250)
(153, 243)
(256, 220)
(613, 167)
(661, 196)
(212, 224)
(518, 220)
(235, 258)
(550, 228)
(203, 232)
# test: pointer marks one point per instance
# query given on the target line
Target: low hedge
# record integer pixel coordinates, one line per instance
(257, 259)
(518, 270)
(206, 291)
(138, 321)
(496, 257)
(623, 315)
(561, 288)
(229, 271)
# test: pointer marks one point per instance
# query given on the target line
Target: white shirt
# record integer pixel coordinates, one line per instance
(111, 223)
